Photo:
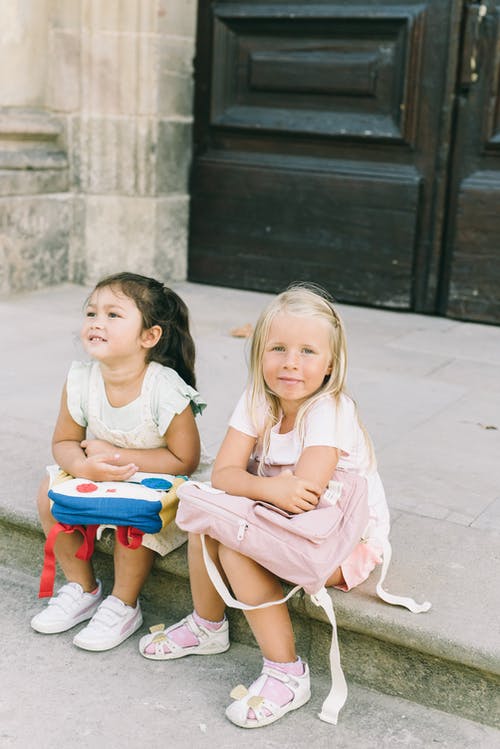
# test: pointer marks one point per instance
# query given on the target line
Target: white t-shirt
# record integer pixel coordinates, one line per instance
(326, 424)
(168, 393)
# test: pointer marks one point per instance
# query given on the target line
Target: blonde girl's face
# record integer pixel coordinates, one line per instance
(296, 358)
(112, 329)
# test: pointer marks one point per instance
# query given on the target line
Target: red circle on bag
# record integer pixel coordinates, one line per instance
(85, 488)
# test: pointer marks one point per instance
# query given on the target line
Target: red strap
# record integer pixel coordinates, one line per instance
(129, 537)
(84, 552)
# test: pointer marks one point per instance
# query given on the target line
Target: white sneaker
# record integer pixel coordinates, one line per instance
(112, 623)
(68, 608)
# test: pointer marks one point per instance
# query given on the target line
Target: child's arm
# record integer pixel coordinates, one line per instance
(293, 493)
(102, 466)
(318, 463)
(181, 456)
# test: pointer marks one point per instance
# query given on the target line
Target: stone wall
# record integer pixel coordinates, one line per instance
(95, 139)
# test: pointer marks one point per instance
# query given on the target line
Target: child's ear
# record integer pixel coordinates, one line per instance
(151, 336)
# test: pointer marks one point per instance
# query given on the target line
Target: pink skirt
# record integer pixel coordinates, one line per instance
(358, 565)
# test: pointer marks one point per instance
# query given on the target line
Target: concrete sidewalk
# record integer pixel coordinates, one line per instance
(54, 696)
(428, 390)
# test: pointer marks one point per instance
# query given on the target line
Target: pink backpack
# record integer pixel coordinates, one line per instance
(303, 549)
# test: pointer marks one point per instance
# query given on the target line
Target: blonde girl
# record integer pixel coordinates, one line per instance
(130, 408)
(292, 427)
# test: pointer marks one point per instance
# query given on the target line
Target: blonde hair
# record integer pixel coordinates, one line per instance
(300, 300)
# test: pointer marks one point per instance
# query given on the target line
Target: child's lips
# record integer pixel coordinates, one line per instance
(97, 339)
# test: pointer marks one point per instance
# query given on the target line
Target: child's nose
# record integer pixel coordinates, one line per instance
(291, 359)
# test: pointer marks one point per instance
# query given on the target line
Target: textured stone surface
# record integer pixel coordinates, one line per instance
(174, 156)
(170, 260)
(119, 76)
(119, 233)
(34, 242)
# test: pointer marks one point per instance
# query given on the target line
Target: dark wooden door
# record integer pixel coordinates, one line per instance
(321, 146)
(471, 268)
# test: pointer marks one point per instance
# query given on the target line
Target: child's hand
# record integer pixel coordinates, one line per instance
(97, 447)
(293, 494)
(102, 467)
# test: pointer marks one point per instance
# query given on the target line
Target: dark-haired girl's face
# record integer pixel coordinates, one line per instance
(112, 329)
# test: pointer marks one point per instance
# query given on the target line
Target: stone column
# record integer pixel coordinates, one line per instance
(120, 75)
(35, 219)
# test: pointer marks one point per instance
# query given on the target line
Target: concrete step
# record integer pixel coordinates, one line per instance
(448, 658)
(55, 696)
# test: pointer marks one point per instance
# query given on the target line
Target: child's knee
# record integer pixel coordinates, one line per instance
(43, 501)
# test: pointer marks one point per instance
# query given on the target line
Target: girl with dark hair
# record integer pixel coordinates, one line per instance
(131, 408)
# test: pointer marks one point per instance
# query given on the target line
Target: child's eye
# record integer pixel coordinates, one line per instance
(278, 348)
(90, 314)
(307, 350)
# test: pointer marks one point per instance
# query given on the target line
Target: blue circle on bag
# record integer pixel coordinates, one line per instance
(157, 483)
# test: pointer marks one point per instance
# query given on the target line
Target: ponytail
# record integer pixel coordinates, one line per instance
(175, 348)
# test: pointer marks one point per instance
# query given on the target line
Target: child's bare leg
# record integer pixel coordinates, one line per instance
(132, 567)
(80, 597)
(283, 684)
(119, 615)
(207, 602)
(336, 578)
(67, 544)
(252, 584)
(203, 632)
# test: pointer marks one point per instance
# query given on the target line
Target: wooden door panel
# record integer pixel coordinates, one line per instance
(360, 225)
(317, 128)
(340, 74)
(475, 280)
(474, 246)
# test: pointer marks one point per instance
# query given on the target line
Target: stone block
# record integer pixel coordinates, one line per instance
(114, 155)
(77, 261)
(177, 17)
(119, 235)
(63, 84)
(175, 78)
(32, 181)
(65, 14)
(23, 53)
(173, 156)
(176, 55)
(31, 156)
(34, 241)
(170, 260)
(118, 73)
(121, 15)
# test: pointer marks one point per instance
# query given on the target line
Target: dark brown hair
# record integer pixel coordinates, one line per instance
(161, 306)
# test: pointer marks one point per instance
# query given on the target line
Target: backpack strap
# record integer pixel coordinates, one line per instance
(338, 692)
(129, 537)
(85, 551)
(409, 603)
(222, 588)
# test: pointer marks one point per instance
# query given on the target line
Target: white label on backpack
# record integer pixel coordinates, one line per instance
(333, 492)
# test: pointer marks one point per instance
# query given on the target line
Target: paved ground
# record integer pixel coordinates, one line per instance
(54, 696)
(428, 391)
